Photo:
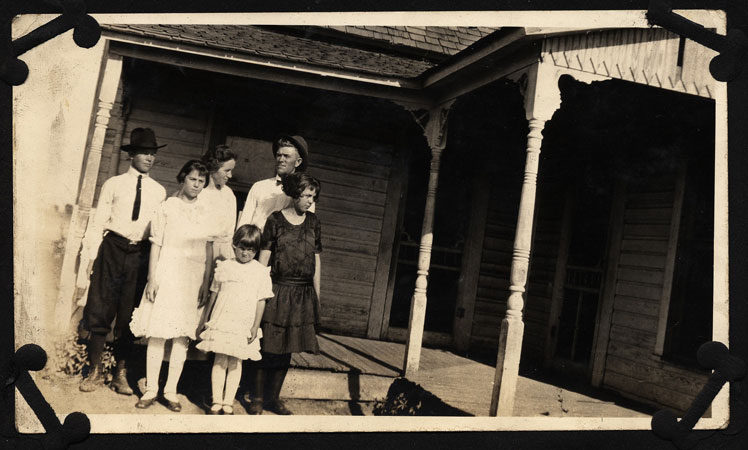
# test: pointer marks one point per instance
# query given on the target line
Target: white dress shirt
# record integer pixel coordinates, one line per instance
(114, 211)
(264, 198)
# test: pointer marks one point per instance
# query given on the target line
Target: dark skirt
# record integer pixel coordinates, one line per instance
(289, 324)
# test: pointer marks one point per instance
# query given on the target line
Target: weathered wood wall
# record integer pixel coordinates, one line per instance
(631, 366)
(180, 126)
(545, 246)
(496, 262)
(354, 175)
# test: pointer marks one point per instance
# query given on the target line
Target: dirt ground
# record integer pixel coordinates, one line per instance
(61, 391)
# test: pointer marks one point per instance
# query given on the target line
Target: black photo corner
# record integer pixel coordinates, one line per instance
(728, 365)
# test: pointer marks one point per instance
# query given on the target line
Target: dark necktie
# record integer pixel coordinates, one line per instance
(136, 205)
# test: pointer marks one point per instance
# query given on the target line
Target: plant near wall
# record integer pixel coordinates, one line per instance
(72, 357)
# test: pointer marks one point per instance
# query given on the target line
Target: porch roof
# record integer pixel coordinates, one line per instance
(393, 63)
(400, 52)
(441, 40)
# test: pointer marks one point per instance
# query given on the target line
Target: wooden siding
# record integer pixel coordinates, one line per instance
(354, 175)
(182, 128)
(631, 367)
(496, 261)
(548, 223)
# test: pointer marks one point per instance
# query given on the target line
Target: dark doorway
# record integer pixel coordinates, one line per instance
(450, 224)
(585, 267)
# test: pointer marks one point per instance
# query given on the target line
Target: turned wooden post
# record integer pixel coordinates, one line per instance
(436, 135)
(109, 81)
(542, 98)
(118, 122)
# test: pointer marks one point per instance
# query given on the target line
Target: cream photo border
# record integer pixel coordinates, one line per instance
(51, 124)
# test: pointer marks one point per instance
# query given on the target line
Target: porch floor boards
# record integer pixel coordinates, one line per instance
(460, 382)
(348, 354)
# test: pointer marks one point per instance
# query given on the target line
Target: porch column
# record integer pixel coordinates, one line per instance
(118, 122)
(436, 135)
(107, 92)
(542, 99)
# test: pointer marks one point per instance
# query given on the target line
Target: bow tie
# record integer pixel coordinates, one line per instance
(278, 182)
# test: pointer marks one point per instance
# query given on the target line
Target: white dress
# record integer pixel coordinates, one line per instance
(220, 205)
(182, 230)
(240, 287)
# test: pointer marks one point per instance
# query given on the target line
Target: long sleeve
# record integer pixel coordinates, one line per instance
(250, 206)
(231, 215)
(95, 230)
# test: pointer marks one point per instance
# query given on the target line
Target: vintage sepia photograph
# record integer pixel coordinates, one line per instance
(371, 221)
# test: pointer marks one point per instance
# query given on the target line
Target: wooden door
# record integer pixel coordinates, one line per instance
(578, 299)
(451, 218)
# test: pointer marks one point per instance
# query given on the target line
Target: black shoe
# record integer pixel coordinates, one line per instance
(173, 405)
(119, 383)
(94, 381)
(255, 407)
(278, 407)
(143, 404)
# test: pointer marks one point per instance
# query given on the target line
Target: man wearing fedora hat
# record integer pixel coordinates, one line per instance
(266, 196)
(115, 251)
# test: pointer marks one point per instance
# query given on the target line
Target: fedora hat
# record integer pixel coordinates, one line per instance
(301, 146)
(142, 139)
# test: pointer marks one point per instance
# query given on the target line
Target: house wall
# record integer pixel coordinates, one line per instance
(496, 260)
(549, 212)
(495, 265)
(354, 175)
(631, 367)
(176, 123)
(52, 113)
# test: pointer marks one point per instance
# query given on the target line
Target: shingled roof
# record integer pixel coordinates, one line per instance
(444, 40)
(295, 45)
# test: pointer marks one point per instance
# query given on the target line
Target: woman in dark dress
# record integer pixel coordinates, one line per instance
(291, 246)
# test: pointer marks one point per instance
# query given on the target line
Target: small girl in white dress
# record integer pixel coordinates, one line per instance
(238, 293)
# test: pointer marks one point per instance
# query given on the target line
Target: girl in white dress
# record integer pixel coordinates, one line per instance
(240, 287)
(178, 282)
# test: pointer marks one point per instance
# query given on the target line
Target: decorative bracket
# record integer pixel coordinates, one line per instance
(433, 122)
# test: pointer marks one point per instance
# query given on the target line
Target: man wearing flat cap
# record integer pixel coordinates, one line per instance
(116, 241)
(265, 197)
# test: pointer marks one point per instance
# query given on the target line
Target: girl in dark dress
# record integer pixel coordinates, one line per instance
(291, 246)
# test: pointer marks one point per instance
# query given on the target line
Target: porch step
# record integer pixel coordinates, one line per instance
(310, 384)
